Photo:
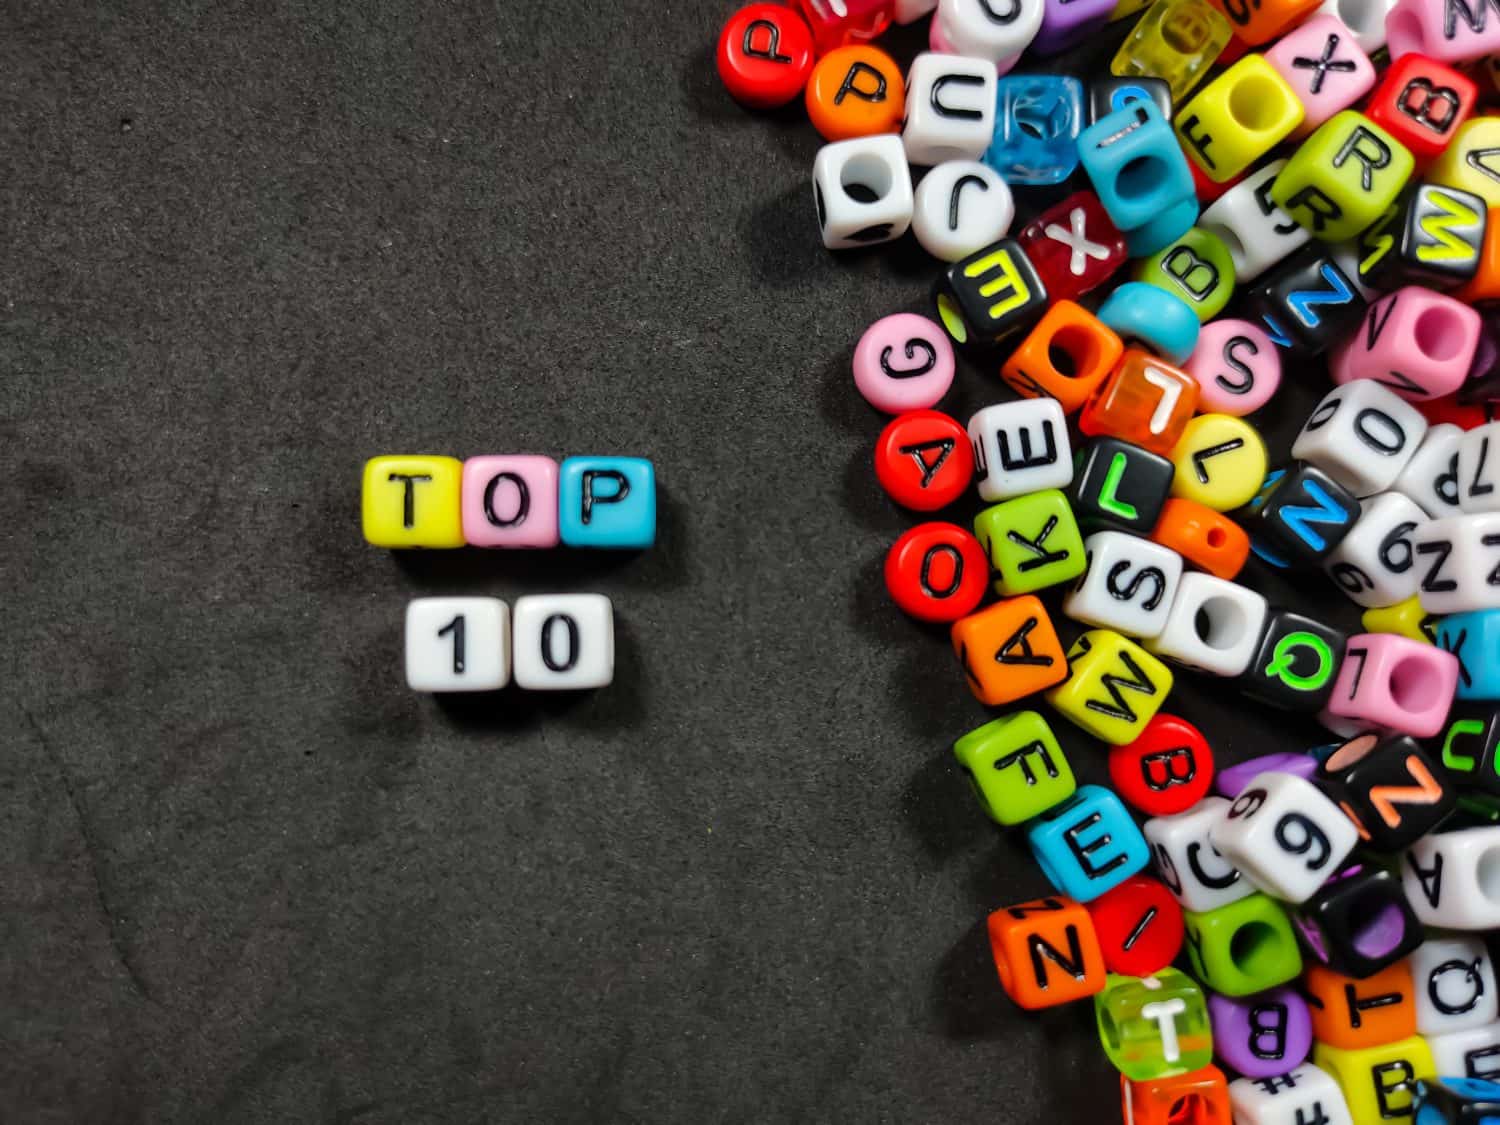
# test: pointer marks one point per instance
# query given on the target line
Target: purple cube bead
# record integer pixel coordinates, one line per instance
(1229, 782)
(1263, 1035)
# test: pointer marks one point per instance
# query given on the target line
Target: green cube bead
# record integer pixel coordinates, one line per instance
(1016, 766)
(1032, 541)
(1196, 267)
(1154, 1027)
(1343, 177)
(1245, 947)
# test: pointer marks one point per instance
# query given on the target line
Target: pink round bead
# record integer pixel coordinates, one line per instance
(510, 500)
(1395, 683)
(903, 362)
(1236, 367)
(1418, 343)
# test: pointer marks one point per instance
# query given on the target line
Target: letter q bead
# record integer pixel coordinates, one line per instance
(936, 572)
(903, 362)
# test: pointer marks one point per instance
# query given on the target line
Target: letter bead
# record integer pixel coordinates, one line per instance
(1454, 31)
(1197, 875)
(607, 502)
(1021, 447)
(1459, 1100)
(1459, 561)
(1136, 167)
(1379, 1083)
(1031, 541)
(1285, 837)
(1128, 584)
(1262, 1035)
(1009, 650)
(1454, 982)
(1474, 640)
(1479, 469)
(1143, 401)
(413, 502)
(1359, 922)
(862, 190)
(1176, 41)
(1037, 122)
(1395, 683)
(1203, 537)
(1307, 304)
(1046, 952)
(936, 572)
(855, 91)
(1351, 1013)
(1294, 664)
(990, 295)
(1376, 563)
(1256, 232)
(765, 55)
(1167, 770)
(1109, 94)
(1421, 102)
(564, 642)
(1468, 745)
(960, 207)
(1071, 336)
(1088, 844)
(1154, 1027)
(1151, 316)
(1418, 343)
(1298, 1097)
(1116, 484)
(1431, 476)
(1243, 948)
(1303, 512)
(510, 501)
(1432, 235)
(1074, 245)
(950, 111)
(1324, 65)
(988, 29)
(903, 362)
(457, 644)
(1342, 177)
(1220, 461)
(1453, 880)
(1139, 926)
(923, 460)
(1469, 1054)
(1362, 435)
(1197, 268)
(1016, 767)
(1114, 688)
(1236, 367)
(1199, 1098)
(1238, 117)
(1388, 787)
(1213, 626)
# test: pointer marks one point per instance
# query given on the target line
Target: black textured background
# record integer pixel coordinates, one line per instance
(245, 875)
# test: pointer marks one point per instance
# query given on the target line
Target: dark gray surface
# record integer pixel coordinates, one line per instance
(245, 875)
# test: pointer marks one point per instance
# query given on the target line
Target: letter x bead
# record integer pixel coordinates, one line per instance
(1081, 249)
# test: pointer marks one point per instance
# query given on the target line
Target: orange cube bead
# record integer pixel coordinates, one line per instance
(856, 92)
(1199, 1097)
(1485, 284)
(1067, 336)
(1352, 1013)
(1209, 540)
(1046, 952)
(1259, 21)
(1009, 650)
(1143, 401)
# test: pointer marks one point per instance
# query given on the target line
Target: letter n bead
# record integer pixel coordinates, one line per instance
(1016, 767)
(1388, 787)
(1395, 683)
(1088, 844)
(413, 502)
(510, 501)
(1115, 687)
(1454, 31)
(607, 502)
(1046, 952)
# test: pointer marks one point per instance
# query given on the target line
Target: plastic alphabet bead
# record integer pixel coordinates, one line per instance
(1220, 460)
(1127, 586)
(607, 502)
(987, 29)
(1074, 245)
(1231, 780)
(563, 642)
(1031, 541)
(1342, 177)
(1376, 563)
(1205, 538)
(1116, 484)
(855, 91)
(1468, 746)
(413, 502)
(1285, 836)
(1020, 447)
(1016, 767)
(1459, 557)
(1197, 268)
(1473, 1054)
(990, 295)
(1323, 63)
(936, 572)
(1143, 401)
(1404, 619)
(1451, 881)
(1109, 94)
(1459, 1100)
(1294, 664)
(1198, 876)
(1256, 232)
(1154, 1027)
(1303, 512)
(1396, 683)
(1432, 235)
(1454, 982)
(1448, 32)
(950, 110)
(903, 362)
(1114, 688)
(1066, 330)
(1379, 1083)
(1474, 639)
(1243, 948)
(1419, 343)
(960, 207)
(1139, 926)
(1298, 1097)
(1009, 650)
(1137, 169)
(1431, 476)
(1421, 102)
(1362, 435)
(1046, 952)
(1388, 787)
(1236, 366)
(862, 190)
(1167, 770)
(457, 644)
(1238, 117)
(1307, 304)
(1149, 315)
(1037, 122)
(1351, 1013)
(1176, 41)
(1088, 844)
(1359, 922)
(510, 501)
(1263, 1035)
(765, 55)
(1213, 626)
(923, 460)
(1255, 24)
(1479, 469)
(1198, 1098)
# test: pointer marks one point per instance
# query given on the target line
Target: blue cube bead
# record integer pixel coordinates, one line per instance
(1037, 121)
(607, 502)
(1162, 321)
(1475, 639)
(1136, 165)
(1088, 844)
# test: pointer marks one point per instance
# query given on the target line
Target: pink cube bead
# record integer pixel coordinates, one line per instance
(1395, 683)
(1418, 343)
(1236, 367)
(1418, 27)
(903, 362)
(510, 500)
(1323, 63)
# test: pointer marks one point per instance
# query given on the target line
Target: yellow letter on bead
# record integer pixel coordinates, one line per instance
(413, 502)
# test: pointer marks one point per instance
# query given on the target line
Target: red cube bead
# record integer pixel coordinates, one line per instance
(1167, 770)
(1139, 926)
(1074, 246)
(923, 459)
(937, 572)
(1422, 102)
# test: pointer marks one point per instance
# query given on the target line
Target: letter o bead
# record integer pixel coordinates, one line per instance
(765, 55)
(903, 362)
(510, 501)
(936, 572)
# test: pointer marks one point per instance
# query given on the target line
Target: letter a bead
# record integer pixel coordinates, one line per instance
(1451, 882)
(923, 460)
(413, 502)
(1115, 687)
(1009, 650)
(1016, 767)
(1046, 952)
(1088, 844)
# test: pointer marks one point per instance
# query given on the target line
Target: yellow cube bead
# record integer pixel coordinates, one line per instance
(1379, 1083)
(413, 502)
(1238, 118)
(1176, 41)
(1221, 462)
(1405, 619)
(1343, 177)
(1471, 162)
(1114, 688)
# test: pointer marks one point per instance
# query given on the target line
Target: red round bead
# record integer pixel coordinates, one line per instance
(1139, 926)
(924, 460)
(765, 55)
(937, 572)
(1166, 770)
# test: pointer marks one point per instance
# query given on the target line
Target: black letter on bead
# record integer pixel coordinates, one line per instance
(958, 188)
(958, 570)
(849, 87)
(1199, 141)
(546, 641)
(1371, 159)
(959, 80)
(928, 362)
(1321, 208)
(523, 500)
(769, 54)
(622, 490)
(409, 496)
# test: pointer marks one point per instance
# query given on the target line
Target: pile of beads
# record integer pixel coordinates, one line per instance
(1293, 179)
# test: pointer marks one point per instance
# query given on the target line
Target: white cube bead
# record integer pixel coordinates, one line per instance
(457, 644)
(998, 30)
(564, 641)
(1284, 835)
(1375, 564)
(1458, 563)
(950, 108)
(1128, 586)
(1452, 879)
(1453, 980)
(1224, 640)
(1257, 233)
(1021, 447)
(1197, 875)
(1431, 476)
(1474, 1053)
(1479, 469)
(961, 207)
(875, 171)
(1299, 1097)
(1365, 20)
(1362, 435)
